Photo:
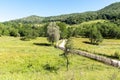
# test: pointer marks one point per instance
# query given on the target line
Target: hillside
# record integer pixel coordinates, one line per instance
(111, 12)
(105, 19)
(113, 8)
(93, 22)
(29, 19)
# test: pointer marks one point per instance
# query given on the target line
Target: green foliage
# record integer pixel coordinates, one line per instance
(14, 32)
(53, 32)
(106, 28)
(95, 35)
(30, 34)
(71, 31)
(5, 32)
(116, 55)
(106, 20)
(26, 58)
(63, 30)
(45, 29)
(50, 68)
(15, 28)
(109, 30)
(110, 12)
(68, 47)
(33, 19)
(69, 44)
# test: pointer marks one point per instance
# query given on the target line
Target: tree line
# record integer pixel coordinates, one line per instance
(106, 29)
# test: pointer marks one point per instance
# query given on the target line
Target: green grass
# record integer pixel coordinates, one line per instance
(34, 60)
(90, 22)
(107, 47)
(93, 22)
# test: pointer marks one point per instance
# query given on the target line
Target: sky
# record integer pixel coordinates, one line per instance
(14, 9)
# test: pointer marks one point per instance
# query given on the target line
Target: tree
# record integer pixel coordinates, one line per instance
(14, 32)
(63, 29)
(71, 32)
(95, 35)
(53, 32)
(68, 47)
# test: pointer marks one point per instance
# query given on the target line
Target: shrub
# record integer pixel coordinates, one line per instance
(117, 55)
(50, 68)
(14, 32)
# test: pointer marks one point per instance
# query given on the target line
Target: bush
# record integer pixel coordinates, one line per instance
(14, 32)
(29, 34)
(50, 68)
(117, 55)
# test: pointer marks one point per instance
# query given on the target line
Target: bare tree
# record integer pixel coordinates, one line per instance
(68, 47)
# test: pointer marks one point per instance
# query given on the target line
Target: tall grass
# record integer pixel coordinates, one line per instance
(108, 47)
(34, 60)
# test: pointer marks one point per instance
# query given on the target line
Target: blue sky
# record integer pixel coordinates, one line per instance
(13, 9)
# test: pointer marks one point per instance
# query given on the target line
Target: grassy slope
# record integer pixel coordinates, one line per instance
(93, 22)
(23, 60)
(90, 22)
(107, 47)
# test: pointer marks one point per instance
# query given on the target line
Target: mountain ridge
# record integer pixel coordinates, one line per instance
(110, 12)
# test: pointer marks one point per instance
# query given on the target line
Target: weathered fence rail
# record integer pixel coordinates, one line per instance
(109, 61)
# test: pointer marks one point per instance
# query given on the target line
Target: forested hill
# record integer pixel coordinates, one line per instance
(105, 22)
(29, 19)
(111, 12)
(115, 7)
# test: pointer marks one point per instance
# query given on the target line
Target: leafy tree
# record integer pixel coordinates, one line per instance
(53, 32)
(71, 32)
(45, 29)
(31, 34)
(40, 31)
(63, 29)
(69, 45)
(80, 31)
(6, 32)
(95, 35)
(14, 32)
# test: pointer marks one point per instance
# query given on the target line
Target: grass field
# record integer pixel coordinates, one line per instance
(37, 60)
(90, 22)
(107, 47)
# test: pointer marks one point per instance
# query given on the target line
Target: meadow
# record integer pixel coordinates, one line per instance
(107, 48)
(89, 23)
(38, 60)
